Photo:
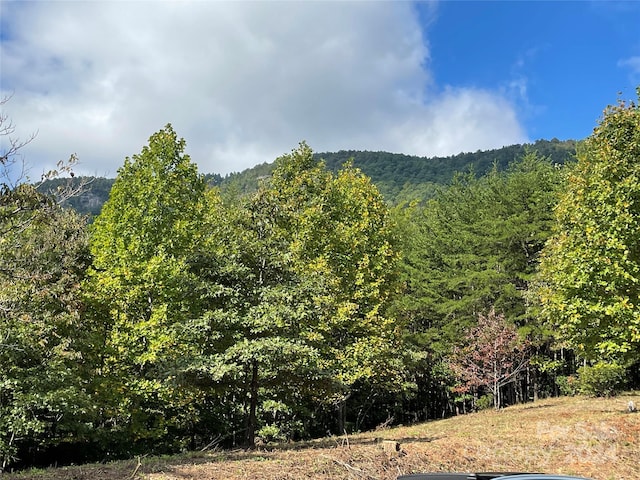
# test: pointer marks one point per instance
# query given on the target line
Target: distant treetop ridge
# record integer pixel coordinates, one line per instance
(399, 177)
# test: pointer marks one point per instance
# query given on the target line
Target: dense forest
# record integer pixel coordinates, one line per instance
(399, 178)
(170, 310)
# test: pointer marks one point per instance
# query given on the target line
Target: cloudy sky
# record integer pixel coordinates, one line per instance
(244, 82)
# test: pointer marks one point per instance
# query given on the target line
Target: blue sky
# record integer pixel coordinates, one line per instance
(561, 62)
(244, 82)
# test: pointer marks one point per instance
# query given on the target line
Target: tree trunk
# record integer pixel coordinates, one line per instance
(341, 412)
(252, 421)
(496, 387)
(536, 386)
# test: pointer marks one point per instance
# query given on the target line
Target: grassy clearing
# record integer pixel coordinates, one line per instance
(595, 438)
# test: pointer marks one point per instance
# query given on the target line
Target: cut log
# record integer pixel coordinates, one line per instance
(390, 446)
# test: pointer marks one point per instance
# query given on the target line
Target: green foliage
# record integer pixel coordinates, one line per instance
(43, 258)
(42, 334)
(399, 178)
(603, 379)
(271, 433)
(485, 402)
(279, 422)
(141, 291)
(474, 245)
(591, 267)
(276, 304)
(295, 277)
(405, 177)
(567, 384)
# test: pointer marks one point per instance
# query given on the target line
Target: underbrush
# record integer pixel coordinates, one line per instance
(591, 437)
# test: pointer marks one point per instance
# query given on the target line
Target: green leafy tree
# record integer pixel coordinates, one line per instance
(42, 332)
(344, 247)
(591, 267)
(141, 289)
(253, 349)
(298, 273)
(43, 258)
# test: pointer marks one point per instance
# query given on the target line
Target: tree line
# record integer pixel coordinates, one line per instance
(399, 178)
(185, 316)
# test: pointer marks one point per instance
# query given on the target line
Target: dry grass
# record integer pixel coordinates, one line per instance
(595, 438)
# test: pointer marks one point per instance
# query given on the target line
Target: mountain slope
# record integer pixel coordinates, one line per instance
(402, 177)
(399, 177)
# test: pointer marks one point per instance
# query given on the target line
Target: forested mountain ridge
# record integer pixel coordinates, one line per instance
(399, 177)
(408, 177)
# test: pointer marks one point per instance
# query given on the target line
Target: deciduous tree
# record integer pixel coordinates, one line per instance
(43, 259)
(298, 276)
(141, 287)
(43, 399)
(491, 356)
(590, 273)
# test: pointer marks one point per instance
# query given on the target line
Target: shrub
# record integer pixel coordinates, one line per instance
(568, 385)
(601, 380)
(270, 433)
(485, 402)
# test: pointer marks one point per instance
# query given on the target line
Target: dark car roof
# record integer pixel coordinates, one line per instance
(455, 476)
(534, 476)
(487, 476)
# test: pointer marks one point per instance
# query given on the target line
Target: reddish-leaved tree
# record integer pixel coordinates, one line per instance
(491, 356)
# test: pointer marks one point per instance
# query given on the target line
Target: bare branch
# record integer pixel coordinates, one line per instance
(11, 146)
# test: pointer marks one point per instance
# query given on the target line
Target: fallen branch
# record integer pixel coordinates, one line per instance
(136, 469)
(212, 443)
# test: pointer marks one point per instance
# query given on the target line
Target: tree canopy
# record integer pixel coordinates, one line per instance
(476, 245)
(590, 269)
(140, 286)
(298, 273)
(43, 260)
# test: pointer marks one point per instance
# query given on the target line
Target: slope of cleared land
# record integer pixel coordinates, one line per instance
(591, 437)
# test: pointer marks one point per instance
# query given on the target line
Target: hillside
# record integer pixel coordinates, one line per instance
(595, 438)
(402, 177)
(399, 177)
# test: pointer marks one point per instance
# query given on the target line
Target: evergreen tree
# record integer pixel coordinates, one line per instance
(474, 245)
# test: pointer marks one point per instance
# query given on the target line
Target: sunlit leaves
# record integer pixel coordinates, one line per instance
(142, 243)
(591, 268)
(295, 277)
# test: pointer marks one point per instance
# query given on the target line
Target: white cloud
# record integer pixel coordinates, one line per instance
(460, 120)
(633, 63)
(243, 82)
